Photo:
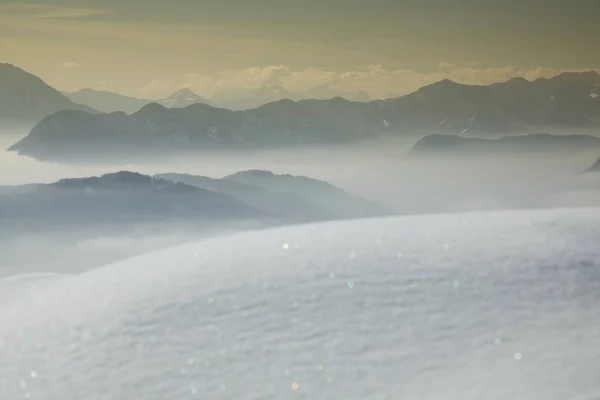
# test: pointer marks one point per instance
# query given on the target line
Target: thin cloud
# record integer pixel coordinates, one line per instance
(71, 65)
(40, 11)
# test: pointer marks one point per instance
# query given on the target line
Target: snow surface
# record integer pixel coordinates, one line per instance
(475, 306)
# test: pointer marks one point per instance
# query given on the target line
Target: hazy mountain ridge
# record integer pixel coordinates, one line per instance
(118, 198)
(290, 195)
(437, 144)
(253, 98)
(94, 220)
(107, 102)
(517, 106)
(566, 99)
(184, 98)
(254, 196)
(335, 200)
(129, 198)
(156, 130)
(325, 92)
(26, 98)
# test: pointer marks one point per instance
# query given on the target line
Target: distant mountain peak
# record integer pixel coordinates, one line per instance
(8, 66)
(152, 108)
(184, 93)
(326, 92)
(339, 99)
(256, 173)
(18, 73)
(13, 68)
(280, 105)
(26, 97)
(124, 175)
(118, 176)
(442, 86)
(284, 101)
(445, 82)
(518, 80)
(183, 98)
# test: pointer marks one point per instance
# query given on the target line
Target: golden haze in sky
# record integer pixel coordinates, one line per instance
(149, 48)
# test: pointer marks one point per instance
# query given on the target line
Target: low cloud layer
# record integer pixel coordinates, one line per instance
(376, 80)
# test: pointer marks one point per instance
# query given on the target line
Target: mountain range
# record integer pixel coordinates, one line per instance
(25, 99)
(293, 196)
(117, 198)
(566, 102)
(127, 199)
(252, 98)
(108, 102)
(90, 221)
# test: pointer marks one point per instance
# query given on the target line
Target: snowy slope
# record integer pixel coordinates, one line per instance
(475, 306)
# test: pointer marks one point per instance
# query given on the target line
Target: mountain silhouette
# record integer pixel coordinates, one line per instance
(246, 99)
(122, 199)
(107, 102)
(517, 106)
(26, 99)
(294, 196)
(324, 92)
(129, 199)
(184, 98)
(438, 144)
(332, 199)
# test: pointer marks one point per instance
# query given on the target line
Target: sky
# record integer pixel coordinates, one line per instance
(150, 48)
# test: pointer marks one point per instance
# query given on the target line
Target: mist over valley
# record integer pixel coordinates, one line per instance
(279, 200)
